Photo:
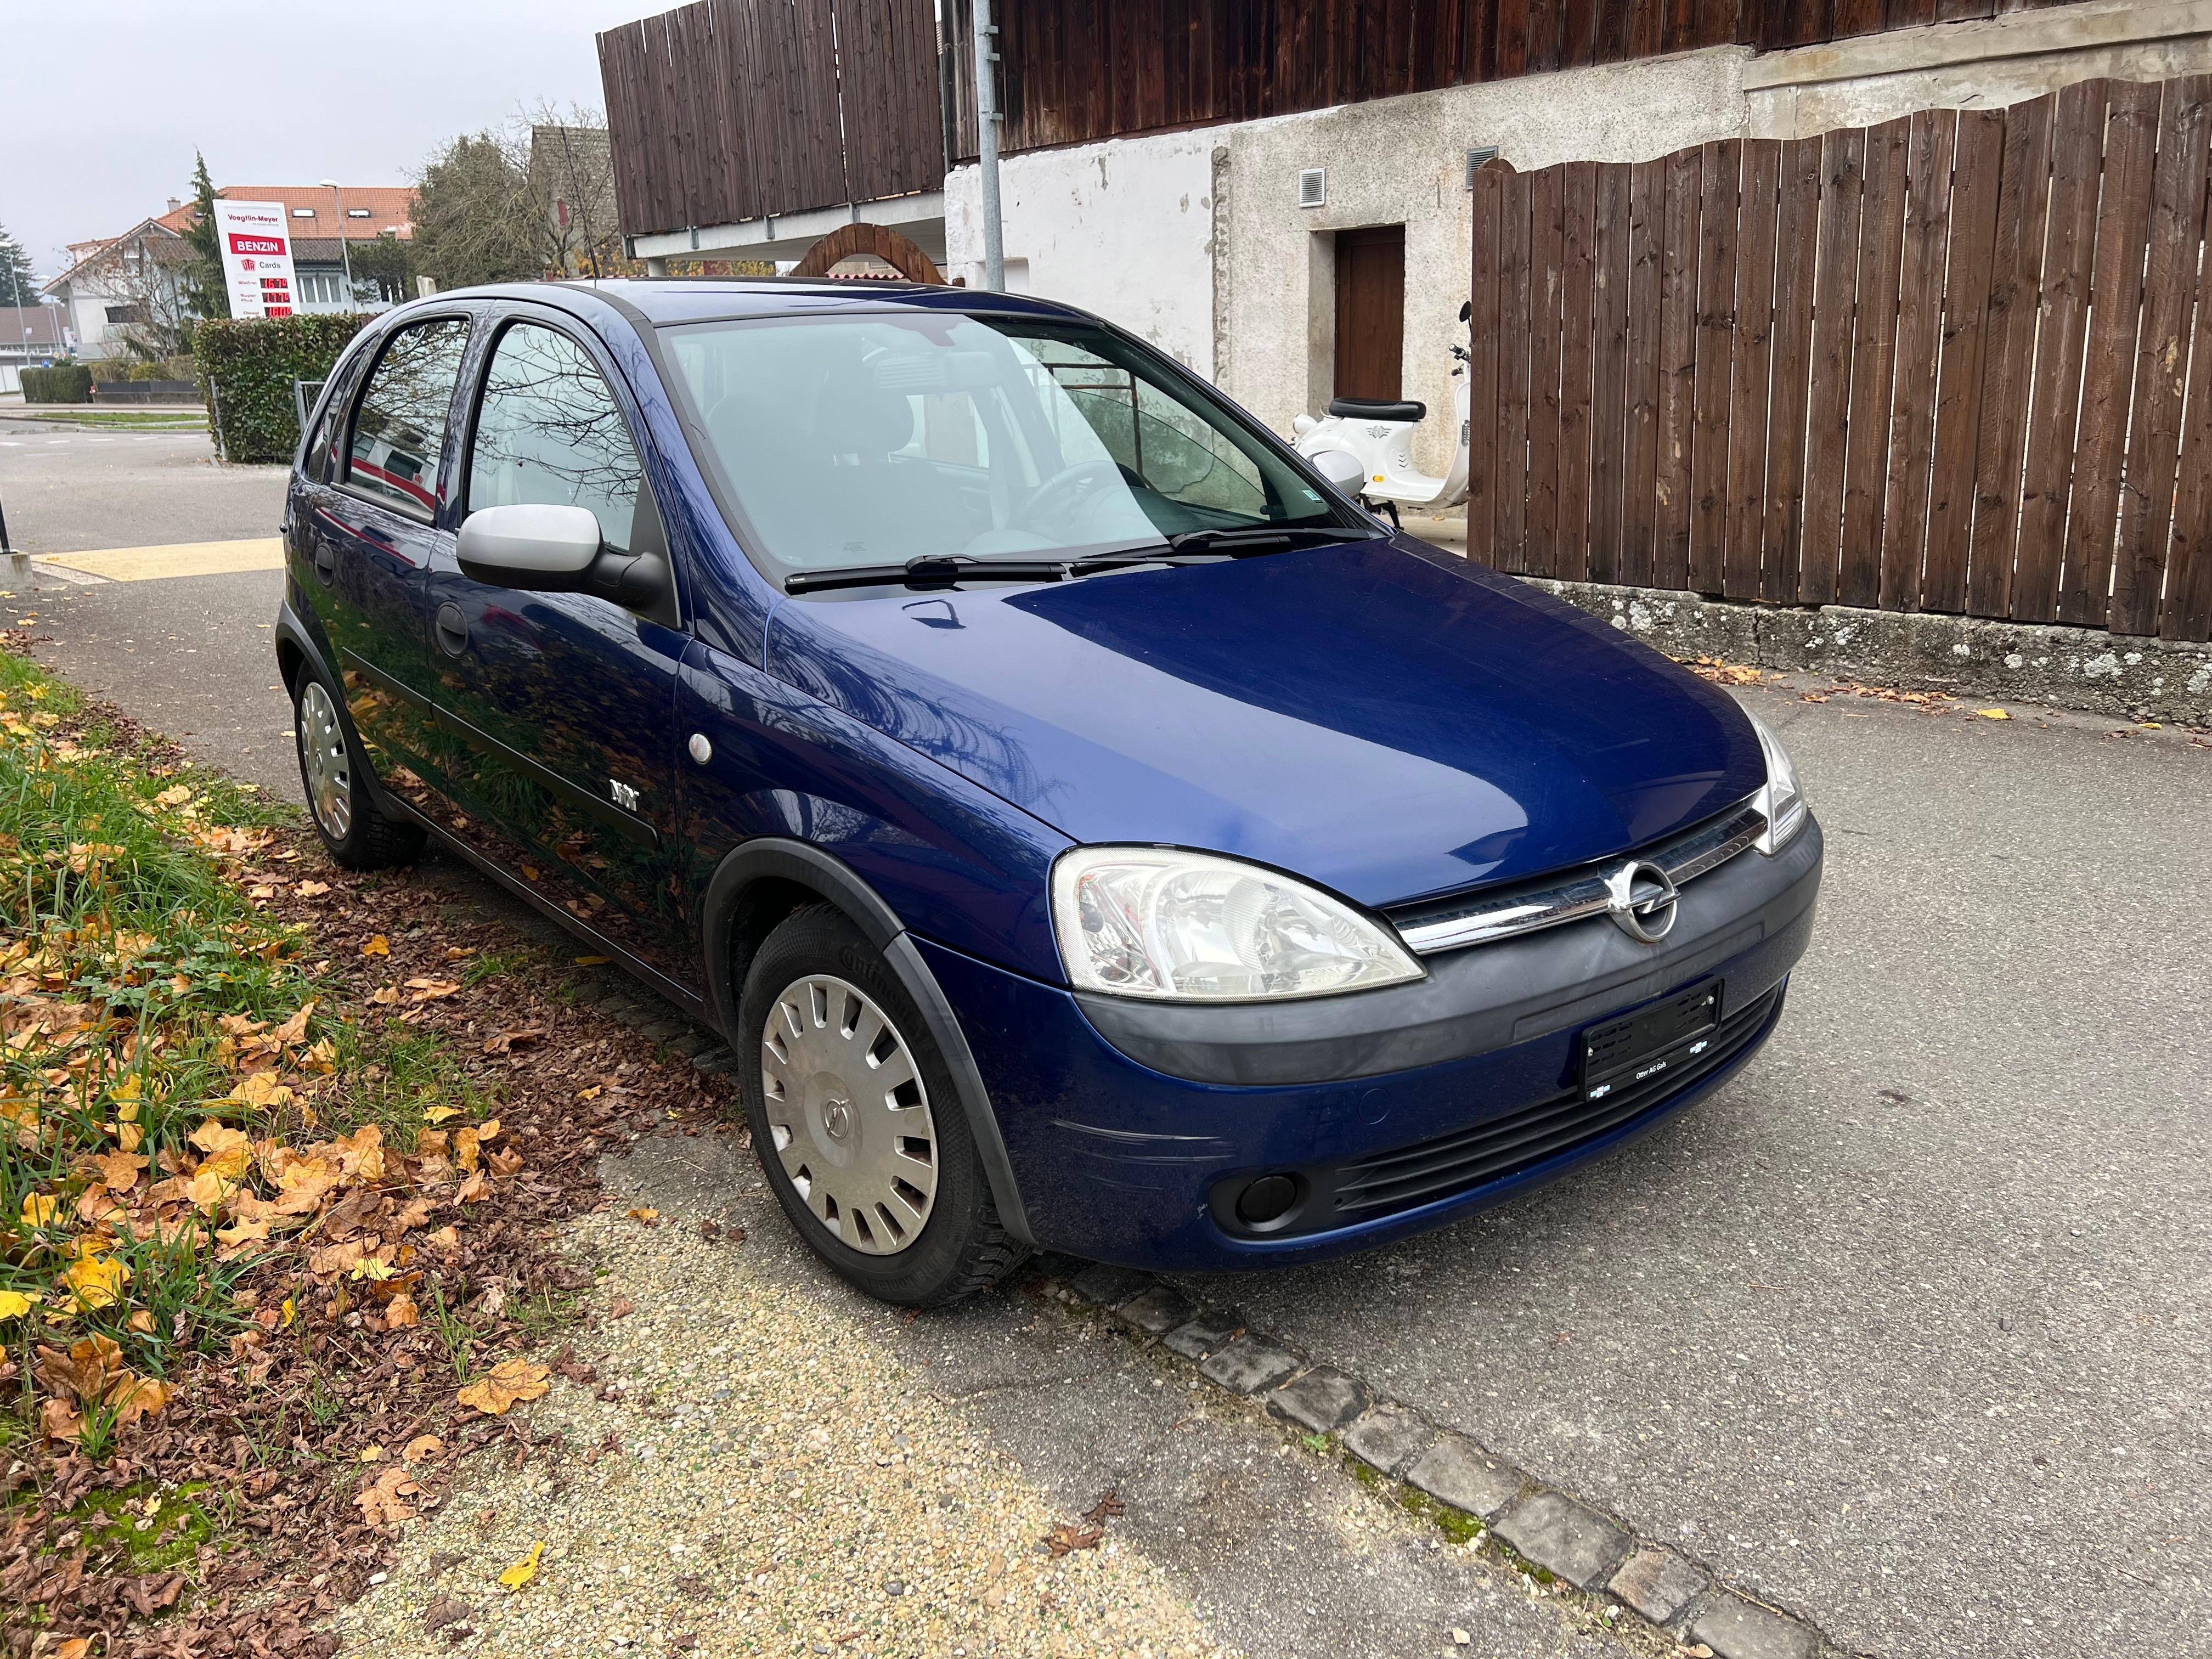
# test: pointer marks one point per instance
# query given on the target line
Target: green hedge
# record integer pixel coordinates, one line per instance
(70, 383)
(246, 367)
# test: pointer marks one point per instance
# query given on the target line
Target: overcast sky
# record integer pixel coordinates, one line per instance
(108, 100)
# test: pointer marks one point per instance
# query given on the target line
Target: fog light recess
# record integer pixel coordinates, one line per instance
(1266, 1199)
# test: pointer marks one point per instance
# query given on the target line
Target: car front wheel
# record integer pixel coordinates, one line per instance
(335, 775)
(856, 1122)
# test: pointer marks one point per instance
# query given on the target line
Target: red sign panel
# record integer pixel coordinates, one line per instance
(241, 243)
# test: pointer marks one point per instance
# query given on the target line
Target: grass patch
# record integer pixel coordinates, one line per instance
(493, 965)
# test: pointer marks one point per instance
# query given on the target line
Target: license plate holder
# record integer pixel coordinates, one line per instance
(1635, 1048)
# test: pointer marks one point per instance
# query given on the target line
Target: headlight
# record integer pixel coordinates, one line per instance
(1147, 921)
(1782, 798)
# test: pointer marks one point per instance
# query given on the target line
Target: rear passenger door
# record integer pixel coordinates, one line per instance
(375, 528)
(559, 755)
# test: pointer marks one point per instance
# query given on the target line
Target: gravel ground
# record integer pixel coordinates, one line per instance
(768, 1477)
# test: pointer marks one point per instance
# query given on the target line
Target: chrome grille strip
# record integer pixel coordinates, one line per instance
(1486, 916)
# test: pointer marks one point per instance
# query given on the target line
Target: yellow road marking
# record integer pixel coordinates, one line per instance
(140, 565)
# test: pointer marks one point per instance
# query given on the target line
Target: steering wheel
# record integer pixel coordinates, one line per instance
(1065, 479)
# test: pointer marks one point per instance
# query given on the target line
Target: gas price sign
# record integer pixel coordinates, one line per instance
(256, 257)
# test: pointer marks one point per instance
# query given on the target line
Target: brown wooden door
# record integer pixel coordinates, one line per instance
(1371, 311)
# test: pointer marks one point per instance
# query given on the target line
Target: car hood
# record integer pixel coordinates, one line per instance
(1378, 716)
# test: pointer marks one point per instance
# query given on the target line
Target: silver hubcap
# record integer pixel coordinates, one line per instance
(849, 1115)
(327, 771)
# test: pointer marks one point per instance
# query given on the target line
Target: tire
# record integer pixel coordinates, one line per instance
(823, 1026)
(335, 775)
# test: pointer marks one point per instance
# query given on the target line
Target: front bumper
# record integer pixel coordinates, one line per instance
(1130, 1126)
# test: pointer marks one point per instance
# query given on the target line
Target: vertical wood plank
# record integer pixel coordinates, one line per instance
(1919, 348)
(1513, 312)
(2085, 591)
(1751, 368)
(1678, 364)
(2188, 613)
(1483, 434)
(2177, 231)
(1827, 420)
(1714, 348)
(1577, 317)
(1975, 177)
(1797, 232)
(2016, 272)
(1639, 529)
(1546, 274)
(1874, 362)
(1609, 373)
(2061, 333)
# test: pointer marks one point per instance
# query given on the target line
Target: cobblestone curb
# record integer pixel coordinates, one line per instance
(1557, 1534)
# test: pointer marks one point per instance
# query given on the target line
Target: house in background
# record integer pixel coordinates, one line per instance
(117, 284)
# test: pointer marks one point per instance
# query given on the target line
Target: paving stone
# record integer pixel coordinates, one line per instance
(661, 1030)
(1552, 1530)
(1390, 1436)
(1657, 1583)
(1249, 1364)
(1205, 1333)
(715, 1061)
(1158, 1311)
(1733, 1629)
(1323, 1398)
(1465, 1476)
(688, 1044)
(1108, 1287)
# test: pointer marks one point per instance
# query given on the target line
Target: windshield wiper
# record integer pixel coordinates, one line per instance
(929, 570)
(1259, 538)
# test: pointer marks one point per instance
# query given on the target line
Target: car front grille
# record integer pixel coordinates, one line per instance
(1344, 1195)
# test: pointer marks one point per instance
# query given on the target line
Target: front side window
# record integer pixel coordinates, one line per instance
(549, 430)
(876, 439)
(400, 430)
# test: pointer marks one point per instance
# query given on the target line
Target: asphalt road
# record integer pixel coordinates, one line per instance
(1905, 1330)
(68, 491)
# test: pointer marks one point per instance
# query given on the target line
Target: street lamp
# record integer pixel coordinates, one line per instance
(344, 252)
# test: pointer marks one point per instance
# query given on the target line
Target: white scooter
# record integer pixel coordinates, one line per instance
(1378, 439)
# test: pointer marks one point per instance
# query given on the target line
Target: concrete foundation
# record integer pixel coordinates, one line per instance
(2128, 677)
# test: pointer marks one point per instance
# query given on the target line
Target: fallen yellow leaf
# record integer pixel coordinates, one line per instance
(176, 796)
(379, 946)
(1993, 714)
(440, 1113)
(13, 1304)
(39, 1209)
(505, 1383)
(94, 1279)
(524, 1569)
(591, 961)
(371, 1454)
(648, 1217)
(291, 1312)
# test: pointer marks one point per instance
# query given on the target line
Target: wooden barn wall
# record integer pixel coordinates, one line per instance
(1075, 72)
(729, 109)
(1960, 361)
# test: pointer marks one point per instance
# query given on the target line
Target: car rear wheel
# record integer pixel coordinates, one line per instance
(335, 775)
(856, 1122)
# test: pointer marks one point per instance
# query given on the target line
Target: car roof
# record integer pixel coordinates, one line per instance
(667, 300)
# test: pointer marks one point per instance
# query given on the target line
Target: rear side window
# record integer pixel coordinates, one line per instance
(548, 431)
(400, 430)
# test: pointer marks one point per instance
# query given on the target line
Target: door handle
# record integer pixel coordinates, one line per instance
(452, 630)
(326, 558)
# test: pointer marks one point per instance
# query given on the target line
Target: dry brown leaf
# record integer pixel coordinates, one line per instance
(508, 1162)
(312, 889)
(505, 1383)
(383, 1501)
(422, 1446)
(385, 996)
(401, 1312)
(294, 1030)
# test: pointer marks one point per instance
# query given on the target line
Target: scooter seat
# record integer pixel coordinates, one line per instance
(1371, 409)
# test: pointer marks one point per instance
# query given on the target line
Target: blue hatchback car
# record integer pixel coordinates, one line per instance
(1090, 828)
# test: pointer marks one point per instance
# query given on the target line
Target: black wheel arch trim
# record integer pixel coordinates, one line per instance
(291, 631)
(775, 858)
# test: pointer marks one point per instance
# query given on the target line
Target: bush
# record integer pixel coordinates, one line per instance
(68, 383)
(246, 369)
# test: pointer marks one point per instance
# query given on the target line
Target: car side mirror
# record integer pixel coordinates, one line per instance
(1345, 471)
(541, 548)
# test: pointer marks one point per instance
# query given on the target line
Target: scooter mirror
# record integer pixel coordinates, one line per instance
(1342, 470)
(1466, 309)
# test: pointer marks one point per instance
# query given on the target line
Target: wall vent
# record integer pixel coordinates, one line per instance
(1313, 187)
(1475, 158)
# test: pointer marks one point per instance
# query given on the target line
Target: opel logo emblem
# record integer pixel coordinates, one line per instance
(1647, 916)
(837, 1118)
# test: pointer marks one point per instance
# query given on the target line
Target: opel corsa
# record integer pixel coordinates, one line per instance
(1089, 827)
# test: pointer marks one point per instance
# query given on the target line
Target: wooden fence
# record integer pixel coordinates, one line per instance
(725, 110)
(1960, 362)
(1078, 70)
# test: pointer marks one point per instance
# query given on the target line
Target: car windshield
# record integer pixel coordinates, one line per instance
(880, 439)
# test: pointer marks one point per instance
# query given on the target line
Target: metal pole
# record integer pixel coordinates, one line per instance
(344, 251)
(987, 148)
(19, 564)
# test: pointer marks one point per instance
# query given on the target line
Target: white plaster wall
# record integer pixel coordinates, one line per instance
(1123, 230)
(1403, 160)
